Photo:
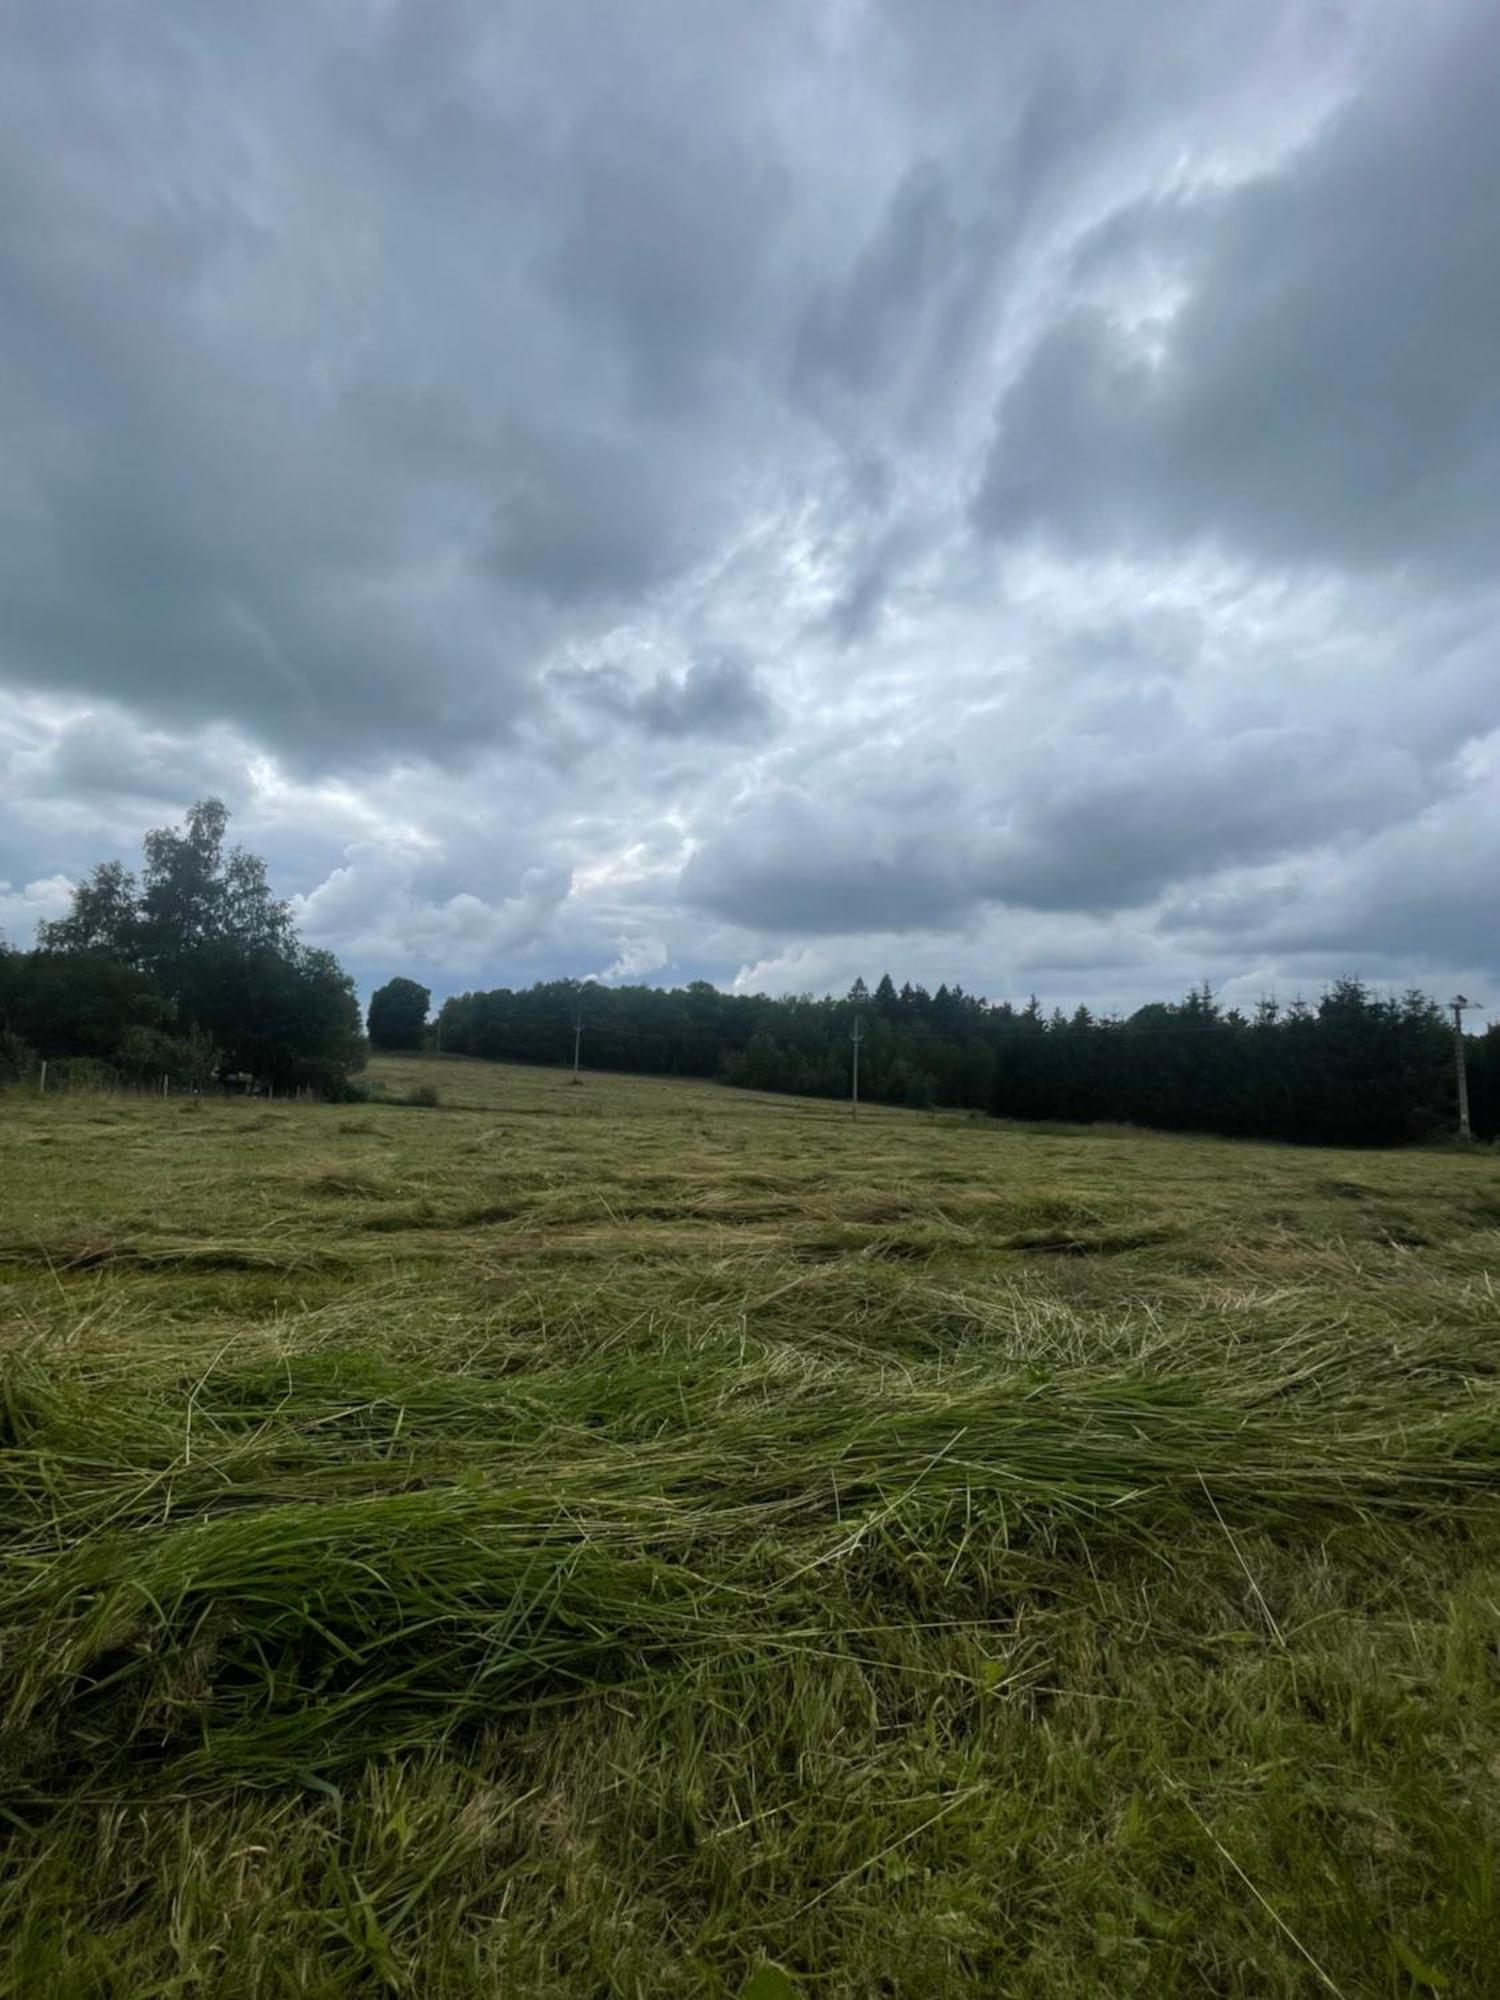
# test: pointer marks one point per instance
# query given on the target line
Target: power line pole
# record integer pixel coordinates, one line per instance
(856, 1037)
(1458, 1003)
(577, 1037)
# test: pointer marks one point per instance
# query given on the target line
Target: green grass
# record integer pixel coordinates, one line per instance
(650, 1540)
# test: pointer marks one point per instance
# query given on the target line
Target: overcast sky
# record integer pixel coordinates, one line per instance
(665, 489)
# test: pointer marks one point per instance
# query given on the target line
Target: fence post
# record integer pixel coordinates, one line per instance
(42, 1079)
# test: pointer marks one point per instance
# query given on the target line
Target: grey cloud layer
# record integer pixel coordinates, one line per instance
(1329, 393)
(1095, 824)
(355, 361)
(718, 697)
(342, 378)
(678, 488)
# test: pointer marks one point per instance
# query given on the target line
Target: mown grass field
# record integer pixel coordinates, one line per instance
(647, 1540)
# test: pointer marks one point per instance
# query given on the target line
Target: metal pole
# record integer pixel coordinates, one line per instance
(855, 1038)
(1458, 1004)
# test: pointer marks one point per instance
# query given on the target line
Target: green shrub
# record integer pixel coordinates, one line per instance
(146, 1054)
(17, 1058)
(81, 1073)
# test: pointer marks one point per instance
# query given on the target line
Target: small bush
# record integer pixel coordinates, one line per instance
(17, 1058)
(81, 1073)
(146, 1054)
(425, 1095)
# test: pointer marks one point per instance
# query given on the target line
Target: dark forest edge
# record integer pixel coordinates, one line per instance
(1353, 1069)
(193, 972)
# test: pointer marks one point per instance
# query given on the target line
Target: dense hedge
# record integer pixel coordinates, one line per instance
(1353, 1069)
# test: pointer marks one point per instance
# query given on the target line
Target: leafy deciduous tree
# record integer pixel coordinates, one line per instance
(200, 952)
(398, 1014)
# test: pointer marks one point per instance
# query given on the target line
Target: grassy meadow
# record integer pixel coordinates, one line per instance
(645, 1539)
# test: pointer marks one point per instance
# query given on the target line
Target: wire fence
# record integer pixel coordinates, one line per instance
(63, 1076)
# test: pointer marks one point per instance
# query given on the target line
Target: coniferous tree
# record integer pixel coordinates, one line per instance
(1354, 1070)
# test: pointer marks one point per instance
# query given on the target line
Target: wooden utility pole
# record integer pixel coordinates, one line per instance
(1458, 1003)
(856, 1037)
(577, 1038)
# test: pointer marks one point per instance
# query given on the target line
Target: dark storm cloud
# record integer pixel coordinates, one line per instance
(662, 252)
(1330, 391)
(903, 319)
(1417, 895)
(1093, 823)
(718, 698)
(792, 867)
(196, 527)
(858, 331)
(585, 517)
(347, 366)
(1108, 838)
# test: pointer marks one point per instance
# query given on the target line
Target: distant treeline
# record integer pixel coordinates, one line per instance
(1354, 1068)
(189, 971)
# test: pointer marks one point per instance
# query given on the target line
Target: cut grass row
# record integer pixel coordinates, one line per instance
(1005, 1620)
